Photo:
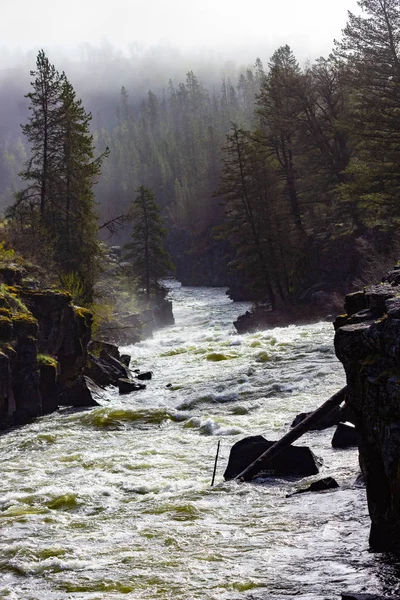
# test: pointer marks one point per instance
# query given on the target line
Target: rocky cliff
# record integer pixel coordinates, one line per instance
(43, 348)
(367, 342)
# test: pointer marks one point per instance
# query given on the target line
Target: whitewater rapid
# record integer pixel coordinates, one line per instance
(115, 502)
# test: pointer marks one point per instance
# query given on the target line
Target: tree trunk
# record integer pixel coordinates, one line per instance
(293, 435)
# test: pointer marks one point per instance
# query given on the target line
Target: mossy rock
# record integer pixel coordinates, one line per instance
(25, 325)
(6, 329)
(83, 313)
(47, 361)
(5, 312)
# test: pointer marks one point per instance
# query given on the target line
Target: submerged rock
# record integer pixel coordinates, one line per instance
(144, 376)
(328, 483)
(294, 461)
(125, 386)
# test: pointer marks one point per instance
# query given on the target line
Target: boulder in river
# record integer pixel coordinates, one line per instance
(144, 376)
(105, 369)
(125, 386)
(125, 359)
(293, 461)
(328, 483)
(345, 436)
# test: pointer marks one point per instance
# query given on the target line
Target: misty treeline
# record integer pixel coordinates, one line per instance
(296, 168)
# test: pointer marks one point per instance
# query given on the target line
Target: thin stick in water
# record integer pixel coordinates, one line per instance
(215, 463)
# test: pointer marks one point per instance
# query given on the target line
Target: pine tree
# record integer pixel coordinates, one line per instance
(149, 259)
(76, 220)
(57, 207)
(370, 50)
(42, 133)
(278, 107)
(251, 194)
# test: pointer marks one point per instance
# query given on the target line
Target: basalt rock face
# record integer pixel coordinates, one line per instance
(43, 348)
(367, 342)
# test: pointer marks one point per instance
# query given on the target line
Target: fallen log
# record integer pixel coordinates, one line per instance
(248, 473)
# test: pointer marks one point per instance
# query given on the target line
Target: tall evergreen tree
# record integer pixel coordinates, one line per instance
(76, 220)
(60, 174)
(149, 259)
(42, 133)
(370, 48)
(278, 107)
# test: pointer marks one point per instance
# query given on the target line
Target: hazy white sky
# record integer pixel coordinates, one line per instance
(220, 24)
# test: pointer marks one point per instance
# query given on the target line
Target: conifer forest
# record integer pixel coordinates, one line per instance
(272, 180)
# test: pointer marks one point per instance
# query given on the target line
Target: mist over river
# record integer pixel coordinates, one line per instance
(115, 502)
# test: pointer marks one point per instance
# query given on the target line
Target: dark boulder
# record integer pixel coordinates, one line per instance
(96, 347)
(97, 392)
(144, 376)
(115, 363)
(105, 370)
(77, 395)
(355, 302)
(345, 436)
(100, 371)
(328, 483)
(125, 359)
(125, 386)
(293, 461)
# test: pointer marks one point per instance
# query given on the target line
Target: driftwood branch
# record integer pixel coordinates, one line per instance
(215, 463)
(293, 435)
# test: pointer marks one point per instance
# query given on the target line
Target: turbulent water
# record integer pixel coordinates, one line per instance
(116, 502)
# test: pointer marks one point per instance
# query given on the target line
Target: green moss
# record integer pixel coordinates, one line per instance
(9, 298)
(84, 313)
(25, 324)
(47, 360)
(5, 312)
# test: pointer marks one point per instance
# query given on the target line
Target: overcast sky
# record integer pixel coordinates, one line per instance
(309, 26)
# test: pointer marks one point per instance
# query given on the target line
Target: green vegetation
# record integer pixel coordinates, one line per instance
(46, 360)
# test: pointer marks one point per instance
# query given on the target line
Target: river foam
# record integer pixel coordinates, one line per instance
(116, 503)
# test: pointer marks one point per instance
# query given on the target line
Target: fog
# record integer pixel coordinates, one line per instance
(141, 45)
(230, 28)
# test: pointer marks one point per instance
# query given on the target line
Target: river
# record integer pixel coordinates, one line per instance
(115, 502)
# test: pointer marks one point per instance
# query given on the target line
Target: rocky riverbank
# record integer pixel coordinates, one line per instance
(43, 350)
(47, 358)
(367, 342)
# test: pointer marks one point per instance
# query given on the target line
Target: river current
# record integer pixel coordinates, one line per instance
(115, 502)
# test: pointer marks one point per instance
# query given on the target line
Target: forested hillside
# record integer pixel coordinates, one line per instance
(277, 179)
